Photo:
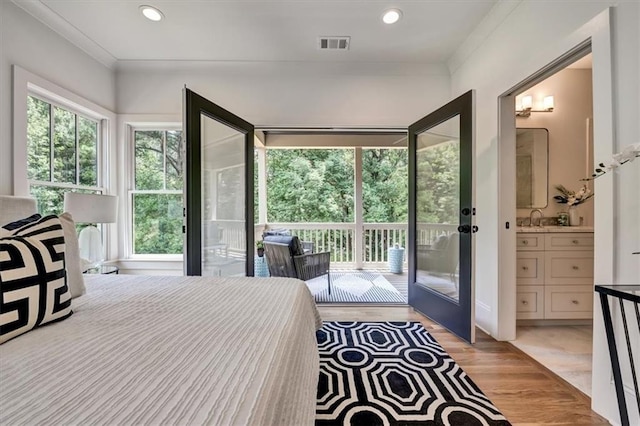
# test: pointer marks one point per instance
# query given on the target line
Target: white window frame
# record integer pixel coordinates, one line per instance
(99, 152)
(26, 83)
(131, 124)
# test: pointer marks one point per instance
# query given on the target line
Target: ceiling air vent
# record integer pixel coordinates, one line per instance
(333, 43)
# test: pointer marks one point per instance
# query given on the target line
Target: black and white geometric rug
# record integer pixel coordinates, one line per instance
(355, 287)
(394, 373)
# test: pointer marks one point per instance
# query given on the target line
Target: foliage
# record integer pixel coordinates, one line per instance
(157, 215)
(627, 155)
(572, 198)
(385, 177)
(310, 185)
(303, 185)
(53, 133)
(438, 184)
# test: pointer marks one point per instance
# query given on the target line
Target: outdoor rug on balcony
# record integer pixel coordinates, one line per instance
(394, 373)
(354, 287)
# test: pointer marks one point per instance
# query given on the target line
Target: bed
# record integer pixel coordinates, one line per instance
(168, 350)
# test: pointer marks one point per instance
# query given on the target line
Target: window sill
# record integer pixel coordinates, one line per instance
(151, 266)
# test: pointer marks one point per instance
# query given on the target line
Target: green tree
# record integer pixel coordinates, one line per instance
(438, 184)
(384, 184)
(157, 215)
(310, 185)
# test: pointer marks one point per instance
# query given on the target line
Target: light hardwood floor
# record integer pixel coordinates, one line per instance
(526, 392)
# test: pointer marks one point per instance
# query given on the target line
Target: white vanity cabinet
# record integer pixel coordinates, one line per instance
(554, 275)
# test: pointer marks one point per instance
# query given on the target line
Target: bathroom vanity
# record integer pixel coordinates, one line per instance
(554, 275)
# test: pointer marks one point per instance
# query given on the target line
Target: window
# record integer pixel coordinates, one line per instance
(62, 153)
(156, 200)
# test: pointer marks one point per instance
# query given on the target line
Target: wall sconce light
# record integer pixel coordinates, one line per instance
(526, 106)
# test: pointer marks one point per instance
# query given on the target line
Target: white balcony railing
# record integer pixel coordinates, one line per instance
(340, 238)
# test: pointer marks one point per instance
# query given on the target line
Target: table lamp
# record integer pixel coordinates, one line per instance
(91, 209)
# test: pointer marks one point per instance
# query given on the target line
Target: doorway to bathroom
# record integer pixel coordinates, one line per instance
(552, 152)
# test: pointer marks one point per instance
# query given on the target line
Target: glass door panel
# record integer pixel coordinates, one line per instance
(223, 223)
(438, 208)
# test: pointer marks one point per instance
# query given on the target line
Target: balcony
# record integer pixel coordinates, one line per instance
(349, 250)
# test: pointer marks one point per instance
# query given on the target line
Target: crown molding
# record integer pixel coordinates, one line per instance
(480, 33)
(51, 19)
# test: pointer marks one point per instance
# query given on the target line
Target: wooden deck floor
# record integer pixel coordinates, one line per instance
(526, 392)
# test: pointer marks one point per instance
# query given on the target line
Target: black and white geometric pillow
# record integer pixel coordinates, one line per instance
(13, 226)
(33, 283)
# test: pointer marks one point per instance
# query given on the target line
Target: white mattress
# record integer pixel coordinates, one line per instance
(169, 350)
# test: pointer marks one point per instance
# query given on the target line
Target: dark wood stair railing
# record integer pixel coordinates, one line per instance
(624, 293)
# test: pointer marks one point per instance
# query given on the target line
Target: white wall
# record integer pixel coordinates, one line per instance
(290, 93)
(533, 35)
(24, 41)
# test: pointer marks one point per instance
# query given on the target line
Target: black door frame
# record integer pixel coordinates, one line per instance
(194, 105)
(440, 306)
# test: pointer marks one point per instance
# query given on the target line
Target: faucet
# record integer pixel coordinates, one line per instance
(531, 217)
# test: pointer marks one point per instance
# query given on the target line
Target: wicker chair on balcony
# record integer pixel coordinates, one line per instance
(286, 258)
(441, 257)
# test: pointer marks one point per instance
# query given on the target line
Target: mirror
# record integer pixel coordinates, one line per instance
(532, 168)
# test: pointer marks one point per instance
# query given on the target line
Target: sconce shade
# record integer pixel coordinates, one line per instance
(548, 102)
(527, 102)
(91, 208)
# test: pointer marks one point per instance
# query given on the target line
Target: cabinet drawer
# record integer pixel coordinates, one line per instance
(529, 242)
(567, 302)
(569, 241)
(530, 268)
(569, 267)
(530, 302)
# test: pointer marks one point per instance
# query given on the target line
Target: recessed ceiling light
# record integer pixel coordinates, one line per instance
(391, 16)
(151, 13)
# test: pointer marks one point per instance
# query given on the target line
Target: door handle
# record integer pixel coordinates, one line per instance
(464, 229)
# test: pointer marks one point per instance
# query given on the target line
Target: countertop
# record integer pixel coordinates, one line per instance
(544, 229)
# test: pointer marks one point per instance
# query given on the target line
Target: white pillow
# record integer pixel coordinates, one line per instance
(75, 279)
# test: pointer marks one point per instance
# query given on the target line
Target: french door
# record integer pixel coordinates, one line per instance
(441, 213)
(218, 189)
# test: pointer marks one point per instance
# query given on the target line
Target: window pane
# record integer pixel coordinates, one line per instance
(88, 155)
(174, 160)
(149, 160)
(50, 200)
(384, 185)
(157, 223)
(38, 139)
(310, 185)
(64, 146)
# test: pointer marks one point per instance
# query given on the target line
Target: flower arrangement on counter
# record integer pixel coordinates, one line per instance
(572, 198)
(627, 155)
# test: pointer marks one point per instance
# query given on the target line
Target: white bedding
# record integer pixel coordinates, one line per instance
(169, 350)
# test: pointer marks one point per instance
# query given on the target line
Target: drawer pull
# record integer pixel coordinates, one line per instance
(525, 242)
(524, 302)
(575, 241)
(575, 302)
(525, 268)
(575, 268)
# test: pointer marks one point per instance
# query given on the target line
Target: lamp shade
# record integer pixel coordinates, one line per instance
(91, 208)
